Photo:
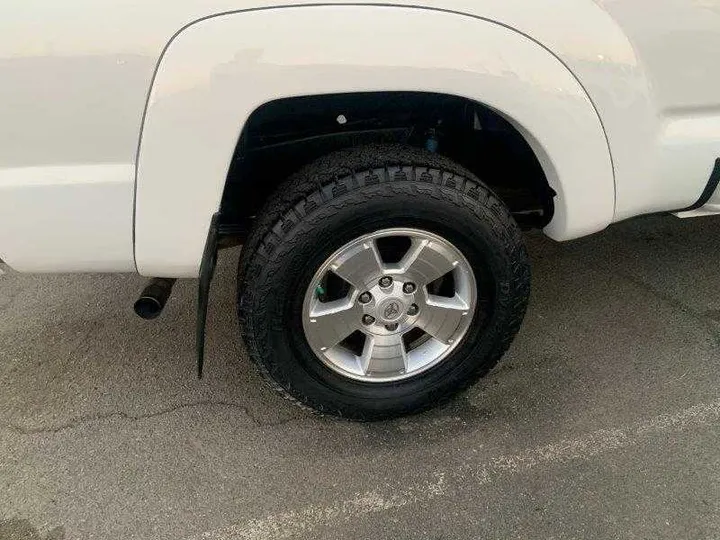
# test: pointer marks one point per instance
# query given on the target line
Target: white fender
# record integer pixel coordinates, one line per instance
(216, 72)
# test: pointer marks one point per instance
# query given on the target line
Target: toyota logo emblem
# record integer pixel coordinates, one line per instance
(391, 310)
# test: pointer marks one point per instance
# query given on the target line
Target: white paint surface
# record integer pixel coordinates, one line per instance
(67, 219)
(217, 72)
(75, 78)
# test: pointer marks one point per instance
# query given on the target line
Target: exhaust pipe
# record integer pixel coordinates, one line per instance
(153, 298)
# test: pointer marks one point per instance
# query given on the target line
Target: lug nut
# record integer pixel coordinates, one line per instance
(409, 288)
(385, 281)
(391, 327)
(365, 298)
(368, 319)
(413, 310)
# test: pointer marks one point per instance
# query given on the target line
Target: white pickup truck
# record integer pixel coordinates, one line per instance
(377, 160)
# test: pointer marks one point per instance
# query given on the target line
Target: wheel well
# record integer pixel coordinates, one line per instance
(283, 135)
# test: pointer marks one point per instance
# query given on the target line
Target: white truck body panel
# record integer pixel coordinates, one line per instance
(206, 89)
(76, 77)
(670, 137)
(68, 218)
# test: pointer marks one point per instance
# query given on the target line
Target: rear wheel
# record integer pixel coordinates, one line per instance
(379, 281)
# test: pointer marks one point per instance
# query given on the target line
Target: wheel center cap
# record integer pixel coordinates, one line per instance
(391, 310)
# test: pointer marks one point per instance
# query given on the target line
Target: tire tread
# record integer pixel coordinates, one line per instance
(325, 181)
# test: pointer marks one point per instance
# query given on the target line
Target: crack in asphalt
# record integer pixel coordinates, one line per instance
(81, 420)
(476, 471)
(701, 317)
(705, 318)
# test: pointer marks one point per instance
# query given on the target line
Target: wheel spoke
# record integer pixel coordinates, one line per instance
(366, 357)
(384, 354)
(360, 266)
(362, 335)
(332, 322)
(440, 316)
(427, 261)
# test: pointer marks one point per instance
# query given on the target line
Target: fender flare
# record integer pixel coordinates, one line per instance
(216, 72)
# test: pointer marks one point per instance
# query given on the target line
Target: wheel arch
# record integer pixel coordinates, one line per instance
(283, 136)
(216, 72)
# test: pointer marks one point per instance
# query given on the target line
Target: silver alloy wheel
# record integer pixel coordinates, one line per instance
(379, 329)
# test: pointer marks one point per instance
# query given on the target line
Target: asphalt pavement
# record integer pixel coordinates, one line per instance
(603, 420)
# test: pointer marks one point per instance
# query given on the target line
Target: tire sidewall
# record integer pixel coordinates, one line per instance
(276, 289)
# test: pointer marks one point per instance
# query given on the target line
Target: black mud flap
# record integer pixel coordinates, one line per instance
(709, 190)
(207, 269)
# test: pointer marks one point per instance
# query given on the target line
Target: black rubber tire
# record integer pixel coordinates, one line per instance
(339, 198)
